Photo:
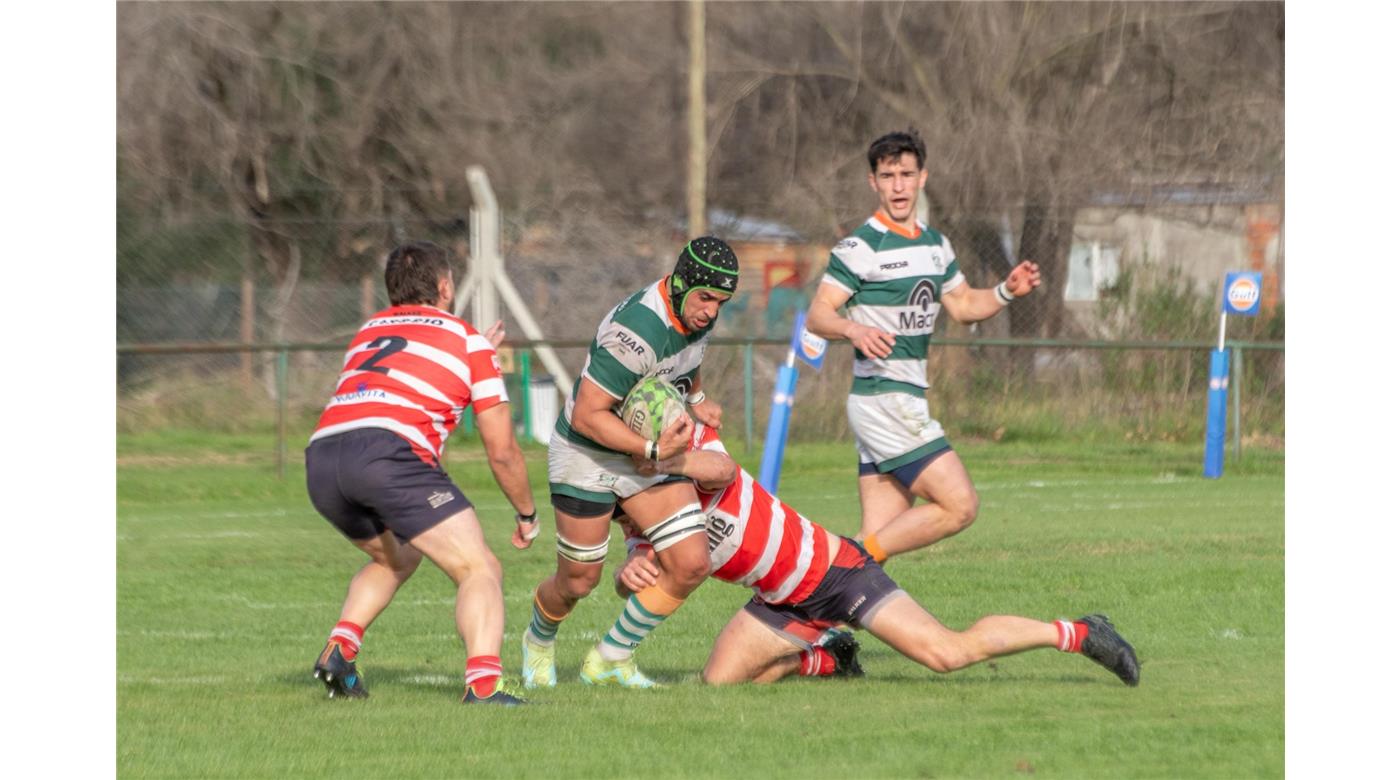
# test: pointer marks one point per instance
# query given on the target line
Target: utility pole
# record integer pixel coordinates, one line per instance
(695, 179)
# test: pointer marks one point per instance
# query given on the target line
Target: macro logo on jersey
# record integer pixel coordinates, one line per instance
(413, 370)
(922, 297)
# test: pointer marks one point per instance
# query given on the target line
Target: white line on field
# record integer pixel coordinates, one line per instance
(250, 604)
(264, 513)
(279, 533)
(205, 515)
(130, 679)
(432, 679)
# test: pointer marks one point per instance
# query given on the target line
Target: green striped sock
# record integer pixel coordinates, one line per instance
(542, 629)
(632, 626)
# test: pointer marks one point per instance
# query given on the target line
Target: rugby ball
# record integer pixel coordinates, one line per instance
(652, 406)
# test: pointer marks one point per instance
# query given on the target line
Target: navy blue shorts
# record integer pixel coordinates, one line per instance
(369, 480)
(907, 473)
(853, 589)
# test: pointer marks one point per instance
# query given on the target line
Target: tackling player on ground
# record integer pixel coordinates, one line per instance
(806, 580)
(373, 468)
(661, 330)
(893, 274)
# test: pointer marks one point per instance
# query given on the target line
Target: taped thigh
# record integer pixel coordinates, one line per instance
(582, 553)
(690, 520)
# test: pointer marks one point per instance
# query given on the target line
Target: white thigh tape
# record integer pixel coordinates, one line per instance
(581, 554)
(690, 520)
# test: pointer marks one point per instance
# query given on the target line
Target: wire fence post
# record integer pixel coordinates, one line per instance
(748, 397)
(527, 420)
(282, 413)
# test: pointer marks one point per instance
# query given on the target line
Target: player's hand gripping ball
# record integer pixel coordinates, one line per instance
(653, 406)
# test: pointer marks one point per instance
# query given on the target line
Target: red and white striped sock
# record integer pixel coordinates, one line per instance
(816, 662)
(349, 636)
(1071, 635)
(482, 673)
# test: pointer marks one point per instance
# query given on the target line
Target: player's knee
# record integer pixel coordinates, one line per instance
(477, 565)
(945, 659)
(406, 563)
(963, 509)
(716, 674)
(689, 565)
(577, 583)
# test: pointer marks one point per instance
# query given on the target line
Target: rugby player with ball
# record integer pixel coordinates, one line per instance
(808, 580)
(659, 331)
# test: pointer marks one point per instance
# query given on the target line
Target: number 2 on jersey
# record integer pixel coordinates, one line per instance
(388, 345)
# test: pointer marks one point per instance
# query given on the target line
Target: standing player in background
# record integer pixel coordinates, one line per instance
(660, 330)
(807, 579)
(373, 467)
(894, 273)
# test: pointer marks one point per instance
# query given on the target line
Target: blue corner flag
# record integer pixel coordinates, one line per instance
(1241, 297)
(812, 350)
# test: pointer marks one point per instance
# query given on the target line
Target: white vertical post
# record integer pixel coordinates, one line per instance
(487, 279)
(485, 247)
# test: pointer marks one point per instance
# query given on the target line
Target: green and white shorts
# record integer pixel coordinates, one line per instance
(589, 474)
(892, 430)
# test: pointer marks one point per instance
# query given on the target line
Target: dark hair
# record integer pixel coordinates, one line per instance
(412, 273)
(896, 145)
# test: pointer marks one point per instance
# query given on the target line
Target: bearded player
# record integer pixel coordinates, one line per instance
(807, 579)
(659, 331)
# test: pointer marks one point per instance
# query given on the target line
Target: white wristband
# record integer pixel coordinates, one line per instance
(695, 398)
(653, 451)
(1003, 293)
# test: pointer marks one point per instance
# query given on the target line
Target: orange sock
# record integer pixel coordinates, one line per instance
(872, 546)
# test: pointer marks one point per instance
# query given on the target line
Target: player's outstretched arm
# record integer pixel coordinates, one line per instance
(508, 467)
(967, 304)
(823, 320)
(711, 470)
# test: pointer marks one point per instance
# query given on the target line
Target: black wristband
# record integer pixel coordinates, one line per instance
(530, 518)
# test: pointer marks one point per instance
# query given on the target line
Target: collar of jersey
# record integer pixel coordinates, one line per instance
(666, 299)
(896, 229)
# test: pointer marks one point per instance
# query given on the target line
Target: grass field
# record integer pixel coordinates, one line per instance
(228, 582)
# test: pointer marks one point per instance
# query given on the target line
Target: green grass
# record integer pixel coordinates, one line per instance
(228, 582)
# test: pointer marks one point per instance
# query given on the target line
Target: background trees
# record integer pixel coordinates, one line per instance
(314, 134)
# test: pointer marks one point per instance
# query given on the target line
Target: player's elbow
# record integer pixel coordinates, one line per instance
(724, 472)
(504, 454)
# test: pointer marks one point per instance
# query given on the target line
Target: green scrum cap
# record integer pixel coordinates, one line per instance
(706, 263)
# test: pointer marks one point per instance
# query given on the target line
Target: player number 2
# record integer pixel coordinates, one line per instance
(388, 345)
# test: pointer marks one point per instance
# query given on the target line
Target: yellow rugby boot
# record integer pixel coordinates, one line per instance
(537, 663)
(597, 670)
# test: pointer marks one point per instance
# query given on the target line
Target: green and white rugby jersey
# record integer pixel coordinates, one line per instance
(896, 282)
(640, 337)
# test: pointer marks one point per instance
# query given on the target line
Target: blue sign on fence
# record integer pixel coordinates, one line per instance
(808, 346)
(1242, 293)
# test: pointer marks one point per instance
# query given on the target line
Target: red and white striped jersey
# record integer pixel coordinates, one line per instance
(757, 540)
(413, 370)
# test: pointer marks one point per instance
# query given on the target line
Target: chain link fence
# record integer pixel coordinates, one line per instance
(1121, 355)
